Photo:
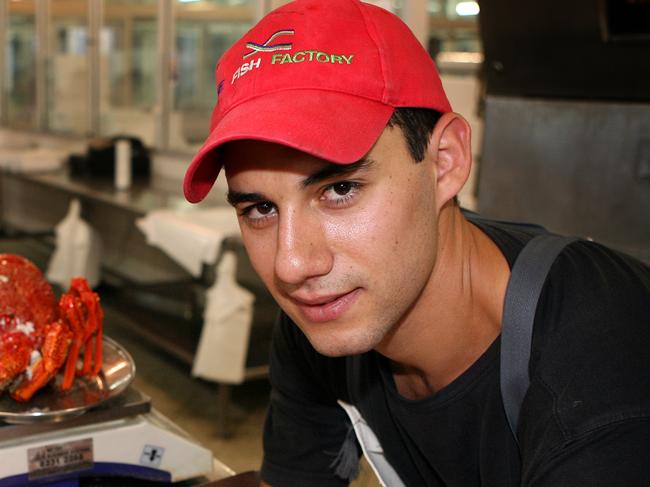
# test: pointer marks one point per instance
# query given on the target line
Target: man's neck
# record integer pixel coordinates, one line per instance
(458, 314)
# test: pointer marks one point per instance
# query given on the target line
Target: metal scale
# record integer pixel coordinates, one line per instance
(100, 433)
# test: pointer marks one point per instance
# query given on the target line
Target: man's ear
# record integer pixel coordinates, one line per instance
(451, 152)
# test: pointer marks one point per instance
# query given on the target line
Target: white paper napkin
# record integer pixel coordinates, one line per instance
(78, 250)
(221, 354)
(191, 238)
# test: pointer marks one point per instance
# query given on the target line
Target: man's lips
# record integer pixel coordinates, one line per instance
(319, 309)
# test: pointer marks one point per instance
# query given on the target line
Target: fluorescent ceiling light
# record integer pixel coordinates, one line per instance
(465, 9)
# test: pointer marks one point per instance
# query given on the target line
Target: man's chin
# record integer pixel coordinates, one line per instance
(340, 345)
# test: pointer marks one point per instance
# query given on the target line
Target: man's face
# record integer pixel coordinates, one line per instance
(345, 250)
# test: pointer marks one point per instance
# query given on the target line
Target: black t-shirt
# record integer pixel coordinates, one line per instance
(585, 419)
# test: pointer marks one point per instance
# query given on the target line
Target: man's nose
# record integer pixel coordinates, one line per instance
(302, 248)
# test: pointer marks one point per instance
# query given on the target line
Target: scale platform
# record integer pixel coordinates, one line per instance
(122, 442)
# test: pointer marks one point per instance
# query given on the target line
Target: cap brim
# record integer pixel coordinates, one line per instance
(334, 126)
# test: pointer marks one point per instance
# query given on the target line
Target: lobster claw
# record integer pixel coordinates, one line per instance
(16, 353)
(53, 354)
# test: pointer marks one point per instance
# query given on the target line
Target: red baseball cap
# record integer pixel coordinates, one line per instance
(320, 76)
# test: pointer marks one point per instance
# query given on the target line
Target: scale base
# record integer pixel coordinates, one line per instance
(124, 443)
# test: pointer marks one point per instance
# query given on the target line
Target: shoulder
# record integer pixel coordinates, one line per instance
(591, 285)
(589, 397)
(592, 339)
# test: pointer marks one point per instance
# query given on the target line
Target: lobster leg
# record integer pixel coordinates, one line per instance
(92, 330)
(90, 326)
(73, 316)
(99, 340)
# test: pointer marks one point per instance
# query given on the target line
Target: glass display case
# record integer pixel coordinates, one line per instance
(203, 31)
(67, 68)
(20, 64)
(129, 67)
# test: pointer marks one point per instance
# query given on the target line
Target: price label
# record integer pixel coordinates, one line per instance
(60, 458)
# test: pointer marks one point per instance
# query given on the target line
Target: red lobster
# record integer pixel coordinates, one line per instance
(38, 335)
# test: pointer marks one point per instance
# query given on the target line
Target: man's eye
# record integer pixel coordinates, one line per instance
(264, 208)
(259, 211)
(341, 192)
(342, 188)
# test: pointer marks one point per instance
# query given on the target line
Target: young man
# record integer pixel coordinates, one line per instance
(343, 159)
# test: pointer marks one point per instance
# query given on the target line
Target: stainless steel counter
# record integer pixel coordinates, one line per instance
(142, 197)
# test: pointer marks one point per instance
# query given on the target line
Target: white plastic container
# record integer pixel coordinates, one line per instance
(123, 164)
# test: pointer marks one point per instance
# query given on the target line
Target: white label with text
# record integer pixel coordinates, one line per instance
(60, 458)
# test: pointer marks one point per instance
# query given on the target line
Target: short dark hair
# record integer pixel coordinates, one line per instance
(417, 125)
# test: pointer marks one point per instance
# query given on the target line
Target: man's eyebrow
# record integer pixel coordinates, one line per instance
(236, 197)
(335, 170)
(329, 171)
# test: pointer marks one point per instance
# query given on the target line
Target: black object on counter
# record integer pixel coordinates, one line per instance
(99, 160)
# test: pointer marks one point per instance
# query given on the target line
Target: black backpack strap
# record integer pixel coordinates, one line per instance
(522, 294)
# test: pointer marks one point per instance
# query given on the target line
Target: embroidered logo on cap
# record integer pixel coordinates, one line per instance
(298, 57)
(267, 46)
